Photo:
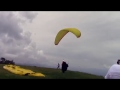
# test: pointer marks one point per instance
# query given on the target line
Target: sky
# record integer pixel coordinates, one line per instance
(27, 37)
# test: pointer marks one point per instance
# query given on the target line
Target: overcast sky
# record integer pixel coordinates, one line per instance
(28, 38)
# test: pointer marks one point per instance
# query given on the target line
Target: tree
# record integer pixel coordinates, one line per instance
(3, 59)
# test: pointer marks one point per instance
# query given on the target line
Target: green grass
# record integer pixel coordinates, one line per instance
(50, 73)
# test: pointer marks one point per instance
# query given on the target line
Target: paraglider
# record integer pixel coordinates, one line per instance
(59, 37)
(63, 32)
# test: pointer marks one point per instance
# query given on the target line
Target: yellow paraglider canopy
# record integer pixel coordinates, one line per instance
(63, 32)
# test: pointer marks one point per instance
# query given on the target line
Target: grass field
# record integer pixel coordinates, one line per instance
(49, 73)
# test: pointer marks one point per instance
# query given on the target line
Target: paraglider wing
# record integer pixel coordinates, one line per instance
(63, 32)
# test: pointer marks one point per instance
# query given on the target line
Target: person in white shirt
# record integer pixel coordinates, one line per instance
(114, 71)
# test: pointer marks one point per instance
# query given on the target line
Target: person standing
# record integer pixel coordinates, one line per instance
(58, 66)
(114, 71)
(64, 66)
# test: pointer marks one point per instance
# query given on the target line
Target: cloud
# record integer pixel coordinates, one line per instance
(28, 15)
(28, 38)
(16, 42)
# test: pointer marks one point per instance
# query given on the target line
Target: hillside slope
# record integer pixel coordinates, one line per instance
(49, 72)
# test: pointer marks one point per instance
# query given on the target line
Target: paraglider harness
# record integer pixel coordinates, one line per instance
(67, 65)
(64, 67)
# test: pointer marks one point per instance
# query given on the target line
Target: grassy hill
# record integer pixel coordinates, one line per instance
(49, 72)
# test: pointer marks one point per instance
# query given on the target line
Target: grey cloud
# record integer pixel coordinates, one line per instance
(14, 39)
(9, 25)
(29, 15)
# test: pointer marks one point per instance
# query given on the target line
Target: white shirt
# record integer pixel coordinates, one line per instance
(113, 72)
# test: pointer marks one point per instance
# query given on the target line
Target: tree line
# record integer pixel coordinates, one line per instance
(5, 61)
